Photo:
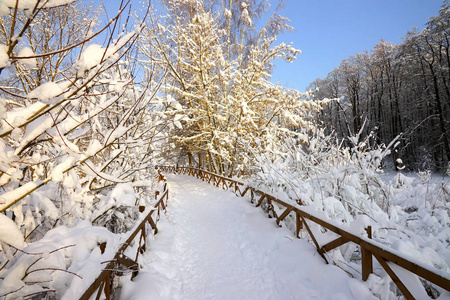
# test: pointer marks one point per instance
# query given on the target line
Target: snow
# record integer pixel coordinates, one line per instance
(7, 198)
(213, 245)
(411, 281)
(58, 170)
(10, 233)
(35, 129)
(2, 108)
(94, 147)
(3, 9)
(121, 195)
(46, 91)
(227, 13)
(93, 55)
(29, 62)
(4, 58)
(19, 116)
(115, 133)
(30, 4)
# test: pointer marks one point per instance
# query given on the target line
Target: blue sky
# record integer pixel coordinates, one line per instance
(328, 31)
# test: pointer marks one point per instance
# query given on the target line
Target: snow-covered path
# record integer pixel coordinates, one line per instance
(213, 245)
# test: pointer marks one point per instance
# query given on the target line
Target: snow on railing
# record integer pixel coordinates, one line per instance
(103, 283)
(393, 262)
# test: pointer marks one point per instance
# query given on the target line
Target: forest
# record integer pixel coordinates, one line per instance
(91, 103)
(396, 91)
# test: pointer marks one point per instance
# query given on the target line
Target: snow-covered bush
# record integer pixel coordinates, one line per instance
(118, 210)
(62, 263)
(322, 174)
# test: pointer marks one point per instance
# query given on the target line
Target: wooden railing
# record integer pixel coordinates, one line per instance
(389, 259)
(103, 283)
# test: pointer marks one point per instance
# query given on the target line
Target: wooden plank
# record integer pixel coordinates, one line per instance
(158, 215)
(395, 278)
(130, 264)
(100, 289)
(319, 249)
(299, 225)
(366, 258)
(140, 249)
(153, 224)
(127, 262)
(97, 284)
(284, 214)
(334, 244)
(102, 247)
(260, 200)
(161, 202)
(237, 191)
(143, 237)
(271, 208)
(245, 192)
(232, 183)
(108, 285)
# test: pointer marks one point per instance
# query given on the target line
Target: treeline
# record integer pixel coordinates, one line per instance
(396, 90)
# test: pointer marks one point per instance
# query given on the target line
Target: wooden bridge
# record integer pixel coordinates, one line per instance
(393, 262)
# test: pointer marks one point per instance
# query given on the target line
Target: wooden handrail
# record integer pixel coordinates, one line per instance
(102, 284)
(369, 247)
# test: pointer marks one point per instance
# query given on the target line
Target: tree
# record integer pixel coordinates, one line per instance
(220, 101)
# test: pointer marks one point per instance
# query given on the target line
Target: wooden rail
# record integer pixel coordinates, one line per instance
(385, 256)
(103, 283)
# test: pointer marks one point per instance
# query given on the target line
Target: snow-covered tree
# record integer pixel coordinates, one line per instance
(77, 129)
(219, 97)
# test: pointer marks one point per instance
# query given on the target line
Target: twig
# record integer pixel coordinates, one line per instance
(29, 296)
(55, 269)
(1, 296)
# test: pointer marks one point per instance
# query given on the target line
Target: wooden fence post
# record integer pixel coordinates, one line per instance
(366, 258)
(299, 225)
(108, 286)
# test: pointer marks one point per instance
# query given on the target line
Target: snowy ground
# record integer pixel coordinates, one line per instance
(213, 245)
